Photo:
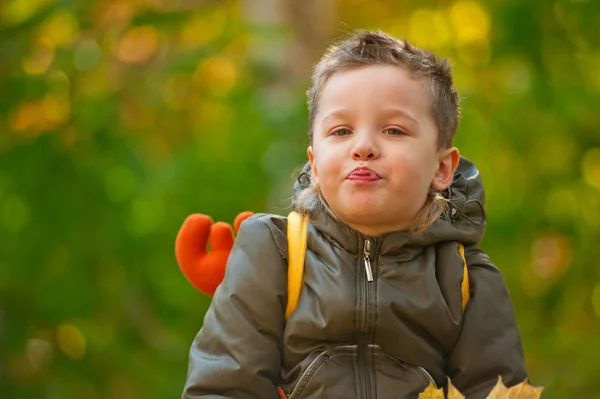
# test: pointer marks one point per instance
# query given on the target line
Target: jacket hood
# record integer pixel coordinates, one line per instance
(465, 220)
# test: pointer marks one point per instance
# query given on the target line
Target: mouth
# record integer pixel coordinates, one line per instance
(363, 175)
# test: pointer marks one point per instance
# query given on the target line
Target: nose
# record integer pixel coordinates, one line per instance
(365, 147)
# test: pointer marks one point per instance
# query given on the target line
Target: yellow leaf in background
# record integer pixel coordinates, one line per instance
(56, 108)
(453, 393)
(138, 45)
(62, 28)
(217, 75)
(71, 341)
(429, 28)
(24, 116)
(470, 21)
(114, 15)
(432, 393)
(40, 58)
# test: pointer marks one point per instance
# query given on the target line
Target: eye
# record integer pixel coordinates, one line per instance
(341, 132)
(394, 131)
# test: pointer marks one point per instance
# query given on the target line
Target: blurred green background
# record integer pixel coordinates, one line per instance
(118, 118)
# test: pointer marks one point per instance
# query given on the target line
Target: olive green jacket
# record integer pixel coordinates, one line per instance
(354, 338)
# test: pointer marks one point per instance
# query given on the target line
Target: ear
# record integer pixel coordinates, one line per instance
(313, 166)
(447, 163)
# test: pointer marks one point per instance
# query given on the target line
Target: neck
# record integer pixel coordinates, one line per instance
(375, 230)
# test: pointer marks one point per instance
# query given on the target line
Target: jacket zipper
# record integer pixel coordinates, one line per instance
(365, 327)
(367, 259)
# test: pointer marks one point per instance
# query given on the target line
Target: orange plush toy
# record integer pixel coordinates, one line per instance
(204, 268)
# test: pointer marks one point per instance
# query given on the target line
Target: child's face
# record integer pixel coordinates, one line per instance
(377, 117)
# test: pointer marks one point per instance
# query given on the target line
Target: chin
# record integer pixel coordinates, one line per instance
(362, 212)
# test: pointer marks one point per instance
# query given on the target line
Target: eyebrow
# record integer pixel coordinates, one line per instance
(390, 111)
(400, 111)
(335, 114)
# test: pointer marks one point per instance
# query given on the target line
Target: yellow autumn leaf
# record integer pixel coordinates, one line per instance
(499, 392)
(520, 391)
(453, 393)
(432, 393)
(524, 391)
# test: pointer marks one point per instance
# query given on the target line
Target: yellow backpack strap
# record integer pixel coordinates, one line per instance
(466, 292)
(297, 228)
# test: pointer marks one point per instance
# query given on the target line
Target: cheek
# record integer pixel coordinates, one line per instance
(329, 176)
(328, 164)
(414, 168)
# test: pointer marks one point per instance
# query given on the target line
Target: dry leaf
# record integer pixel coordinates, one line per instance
(453, 393)
(499, 391)
(520, 391)
(524, 391)
(432, 393)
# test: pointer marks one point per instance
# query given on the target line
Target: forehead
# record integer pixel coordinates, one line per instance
(373, 87)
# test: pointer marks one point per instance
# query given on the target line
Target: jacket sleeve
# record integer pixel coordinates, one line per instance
(237, 353)
(489, 344)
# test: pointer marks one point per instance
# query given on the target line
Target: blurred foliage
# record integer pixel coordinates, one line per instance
(118, 118)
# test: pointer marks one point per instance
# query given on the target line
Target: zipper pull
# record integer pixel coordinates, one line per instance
(367, 258)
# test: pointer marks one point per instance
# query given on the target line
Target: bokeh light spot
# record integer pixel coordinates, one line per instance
(38, 352)
(56, 108)
(86, 54)
(138, 45)
(62, 28)
(429, 28)
(470, 21)
(24, 116)
(18, 11)
(550, 256)
(217, 75)
(115, 15)
(40, 58)
(71, 341)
